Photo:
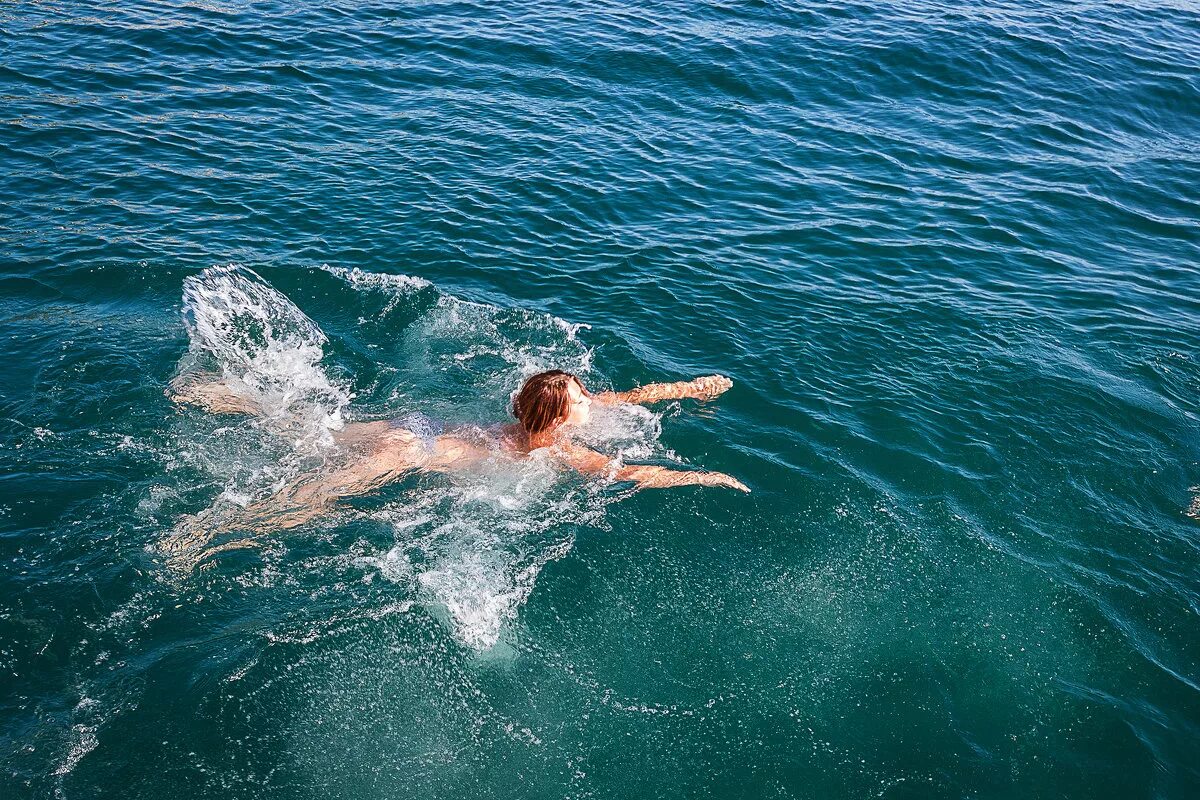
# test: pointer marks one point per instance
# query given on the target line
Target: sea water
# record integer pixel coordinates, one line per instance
(947, 254)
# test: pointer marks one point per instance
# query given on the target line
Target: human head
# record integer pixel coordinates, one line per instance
(550, 399)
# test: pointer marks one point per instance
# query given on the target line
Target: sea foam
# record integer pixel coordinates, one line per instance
(470, 545)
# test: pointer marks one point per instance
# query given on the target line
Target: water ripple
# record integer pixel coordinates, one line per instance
(947, 253)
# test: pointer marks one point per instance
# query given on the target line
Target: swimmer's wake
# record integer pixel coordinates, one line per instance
(255, 354)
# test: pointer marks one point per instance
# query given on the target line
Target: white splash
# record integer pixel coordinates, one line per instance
(472, 546)
(267, 350)
(399, 286)
(473, 549)
(83, 741)
(469, 545)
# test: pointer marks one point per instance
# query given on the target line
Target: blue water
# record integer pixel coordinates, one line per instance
(948, 254)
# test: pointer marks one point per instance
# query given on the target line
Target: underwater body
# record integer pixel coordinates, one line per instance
(947, 254)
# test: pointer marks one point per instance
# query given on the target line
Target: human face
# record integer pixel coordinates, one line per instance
(581, 404)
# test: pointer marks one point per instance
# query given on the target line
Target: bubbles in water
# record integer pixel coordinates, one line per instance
(468, 545)
(625, 432)
(83, 741)
(473, 547)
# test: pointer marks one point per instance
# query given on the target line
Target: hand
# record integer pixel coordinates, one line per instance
(721, 479)
(709, 386)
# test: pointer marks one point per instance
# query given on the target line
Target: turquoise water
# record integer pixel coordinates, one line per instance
(947, 254)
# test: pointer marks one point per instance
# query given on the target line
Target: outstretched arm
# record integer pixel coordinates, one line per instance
(703, 388)
(646, 476)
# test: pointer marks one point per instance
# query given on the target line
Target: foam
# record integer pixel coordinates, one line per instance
(468, 546)
(472, 547)
(399, 286)
(266, 350)
(83, 741)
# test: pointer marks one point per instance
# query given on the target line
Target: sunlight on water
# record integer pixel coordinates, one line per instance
(470, 544)
(946, 254)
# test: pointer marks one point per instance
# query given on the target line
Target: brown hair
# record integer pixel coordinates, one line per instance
(544, 400)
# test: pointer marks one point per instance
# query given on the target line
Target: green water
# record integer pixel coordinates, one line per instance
(947, 254)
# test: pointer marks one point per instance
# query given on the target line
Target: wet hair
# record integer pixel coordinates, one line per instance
(544, 400)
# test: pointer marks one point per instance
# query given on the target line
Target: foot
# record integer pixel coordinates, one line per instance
(215, 397)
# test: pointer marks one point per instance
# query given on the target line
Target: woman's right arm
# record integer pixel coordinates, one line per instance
(652, 477)
(646, 476)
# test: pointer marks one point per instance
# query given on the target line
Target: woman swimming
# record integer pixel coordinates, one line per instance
(549, 407)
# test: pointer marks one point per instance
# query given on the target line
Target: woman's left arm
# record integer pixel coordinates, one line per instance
(646, 476)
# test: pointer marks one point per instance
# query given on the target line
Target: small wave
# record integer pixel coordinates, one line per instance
(399, 286)
(361, 278)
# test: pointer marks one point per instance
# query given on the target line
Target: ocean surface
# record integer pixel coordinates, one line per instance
(948, 253)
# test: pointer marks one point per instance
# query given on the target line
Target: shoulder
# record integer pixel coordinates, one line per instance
(580, 457)
(513, 438)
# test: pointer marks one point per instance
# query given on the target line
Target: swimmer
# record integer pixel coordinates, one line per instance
(549, 407)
